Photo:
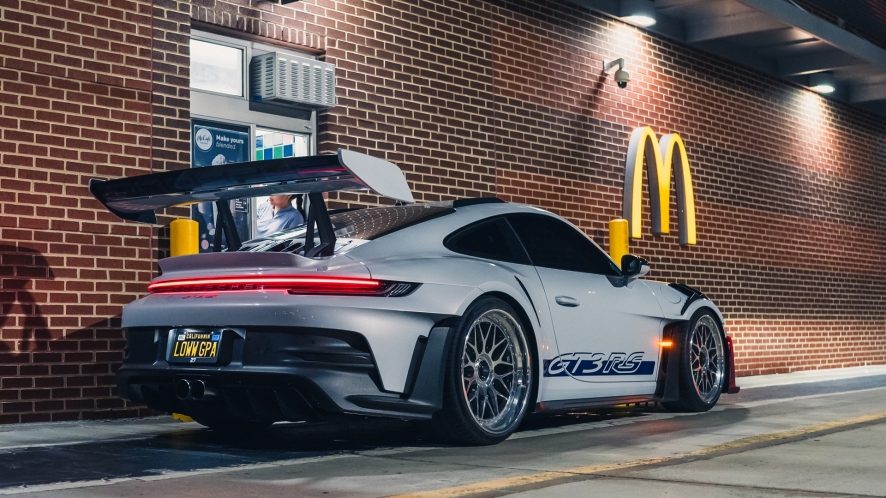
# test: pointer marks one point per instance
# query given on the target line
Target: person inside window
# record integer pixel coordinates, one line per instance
(277, 214)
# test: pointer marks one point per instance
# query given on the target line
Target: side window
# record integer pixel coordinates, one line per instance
(490, 239)
(552, 243)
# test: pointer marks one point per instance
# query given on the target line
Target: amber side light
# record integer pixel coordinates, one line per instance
(666, 344)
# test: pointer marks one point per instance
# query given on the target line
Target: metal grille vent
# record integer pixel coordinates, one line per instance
(284, 78)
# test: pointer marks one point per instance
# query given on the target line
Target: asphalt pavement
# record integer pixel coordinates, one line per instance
(824, 438)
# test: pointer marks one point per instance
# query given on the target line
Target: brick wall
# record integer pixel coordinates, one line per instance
(414, 84)
(788, 185)
(87, 91)
(470, 98)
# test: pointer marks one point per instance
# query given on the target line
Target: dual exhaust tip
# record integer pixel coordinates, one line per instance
(194, 389)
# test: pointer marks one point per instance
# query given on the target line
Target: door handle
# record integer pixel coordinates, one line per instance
(569, 302)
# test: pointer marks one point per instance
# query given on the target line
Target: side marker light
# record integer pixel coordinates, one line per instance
(666, 344)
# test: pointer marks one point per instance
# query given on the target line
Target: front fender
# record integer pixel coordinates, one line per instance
(673, 302)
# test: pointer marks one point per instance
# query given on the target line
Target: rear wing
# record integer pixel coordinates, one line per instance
(137, 198)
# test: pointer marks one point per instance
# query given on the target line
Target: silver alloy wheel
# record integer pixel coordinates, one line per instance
(707, 361)
(496, 371)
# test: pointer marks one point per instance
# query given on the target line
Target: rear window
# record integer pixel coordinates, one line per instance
(360, 224)
(372, 223)
(489, 239)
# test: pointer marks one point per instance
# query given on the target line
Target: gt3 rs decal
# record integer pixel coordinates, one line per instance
(592, 364)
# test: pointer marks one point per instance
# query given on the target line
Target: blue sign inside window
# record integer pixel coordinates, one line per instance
(215, 144)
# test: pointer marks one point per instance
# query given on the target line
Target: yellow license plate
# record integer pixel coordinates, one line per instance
(190, 346)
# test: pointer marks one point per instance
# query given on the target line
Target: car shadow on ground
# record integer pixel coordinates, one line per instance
(358, 433)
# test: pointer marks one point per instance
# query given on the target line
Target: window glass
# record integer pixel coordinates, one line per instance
(275, 144)
(552, 243)
(216, 68)
(272, 144)
(491, 239)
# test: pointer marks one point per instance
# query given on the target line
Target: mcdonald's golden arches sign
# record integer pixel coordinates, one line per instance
(660, 157)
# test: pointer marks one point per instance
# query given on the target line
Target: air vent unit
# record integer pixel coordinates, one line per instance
(283, 78)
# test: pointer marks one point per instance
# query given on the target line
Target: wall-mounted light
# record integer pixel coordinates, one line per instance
(822, 82)
(639, 12)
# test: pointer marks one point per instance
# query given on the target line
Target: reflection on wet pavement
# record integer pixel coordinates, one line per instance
(192, 449)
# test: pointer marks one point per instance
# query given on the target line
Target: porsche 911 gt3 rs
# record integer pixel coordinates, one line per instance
(468, 313)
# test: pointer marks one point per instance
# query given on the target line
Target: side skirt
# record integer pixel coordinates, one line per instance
(572, 404)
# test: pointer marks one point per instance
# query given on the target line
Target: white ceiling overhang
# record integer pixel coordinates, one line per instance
(776, 37)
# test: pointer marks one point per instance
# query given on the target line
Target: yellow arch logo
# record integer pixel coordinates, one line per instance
(644, 149)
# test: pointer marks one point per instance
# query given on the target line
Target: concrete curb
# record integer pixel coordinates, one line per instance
(806, 376)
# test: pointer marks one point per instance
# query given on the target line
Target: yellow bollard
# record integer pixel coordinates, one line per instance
(184, 238)
(619, 244)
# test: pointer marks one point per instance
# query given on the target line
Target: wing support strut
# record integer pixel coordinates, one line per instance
(224, 224)
(319, 215)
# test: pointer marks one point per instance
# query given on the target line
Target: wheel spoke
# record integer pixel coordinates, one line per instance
(504, 350)
(486, 403)
(476, 353)
(493, 405)
(504, 363)
(504, 375)
(485, 338)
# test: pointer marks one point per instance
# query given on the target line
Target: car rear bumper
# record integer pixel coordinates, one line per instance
(282, 373)
(391, 325)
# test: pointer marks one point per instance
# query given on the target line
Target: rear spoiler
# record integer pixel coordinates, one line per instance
(137, 198)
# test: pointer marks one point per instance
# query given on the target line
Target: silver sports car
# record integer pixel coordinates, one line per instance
(468, 313)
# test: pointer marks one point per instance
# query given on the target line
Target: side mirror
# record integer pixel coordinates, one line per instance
(633, 267)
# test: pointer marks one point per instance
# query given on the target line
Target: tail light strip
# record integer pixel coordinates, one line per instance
(343, 286)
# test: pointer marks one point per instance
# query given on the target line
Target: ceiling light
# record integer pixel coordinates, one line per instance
(639, 12)
(640, 20)
(822, 82)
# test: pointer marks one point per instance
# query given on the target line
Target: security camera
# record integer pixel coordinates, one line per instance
(622, 78)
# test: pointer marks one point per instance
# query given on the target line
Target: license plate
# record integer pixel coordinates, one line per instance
(195, 346)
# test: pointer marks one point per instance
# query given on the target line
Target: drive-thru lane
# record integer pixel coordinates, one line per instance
(768, 441)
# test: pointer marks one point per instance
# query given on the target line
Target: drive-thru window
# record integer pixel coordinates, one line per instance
(237, 115)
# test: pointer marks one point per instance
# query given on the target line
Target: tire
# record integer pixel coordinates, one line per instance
(228, 423)
(702, 368)
(489, 376)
